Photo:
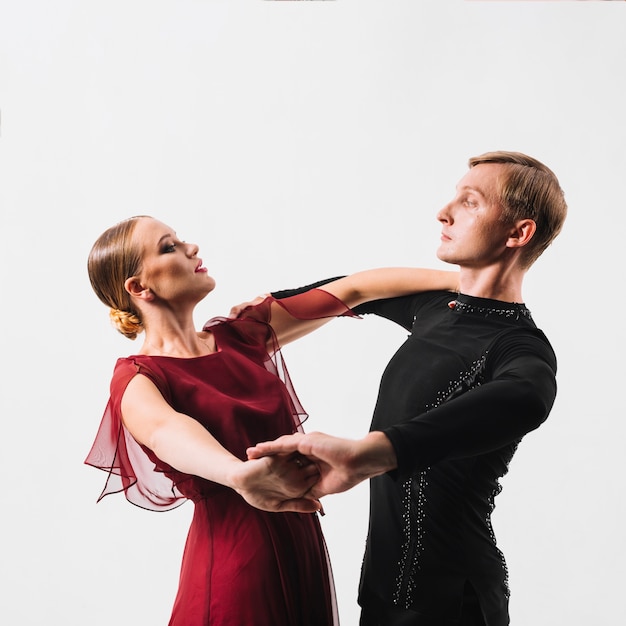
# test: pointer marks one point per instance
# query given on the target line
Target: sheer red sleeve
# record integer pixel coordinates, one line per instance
(314, 304)
(130, 467)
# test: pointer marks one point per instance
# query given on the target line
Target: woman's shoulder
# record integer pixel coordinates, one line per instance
(126, 368)
(132, 364)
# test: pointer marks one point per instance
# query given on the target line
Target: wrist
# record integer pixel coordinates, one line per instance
(376, 454)
(235, 475)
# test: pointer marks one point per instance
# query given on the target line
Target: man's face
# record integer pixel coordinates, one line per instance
(473, 234)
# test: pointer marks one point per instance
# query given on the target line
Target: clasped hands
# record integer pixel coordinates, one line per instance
(310, 466)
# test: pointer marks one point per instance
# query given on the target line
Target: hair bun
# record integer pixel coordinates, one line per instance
(126, 323)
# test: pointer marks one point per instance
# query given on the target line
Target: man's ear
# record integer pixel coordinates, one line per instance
(522, 233)
(134, 287)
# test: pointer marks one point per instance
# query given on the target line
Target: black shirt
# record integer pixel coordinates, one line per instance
(472, 378)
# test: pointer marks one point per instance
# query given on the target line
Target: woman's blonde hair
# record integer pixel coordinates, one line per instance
(529, 190)
(113, 259)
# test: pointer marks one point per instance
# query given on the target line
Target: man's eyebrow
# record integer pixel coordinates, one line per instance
(474, 189)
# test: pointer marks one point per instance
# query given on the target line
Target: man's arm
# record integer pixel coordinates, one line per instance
(516, 400)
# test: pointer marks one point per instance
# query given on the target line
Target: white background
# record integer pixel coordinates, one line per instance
(295, 141)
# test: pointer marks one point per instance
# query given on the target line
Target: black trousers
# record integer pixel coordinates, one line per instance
(471, 615)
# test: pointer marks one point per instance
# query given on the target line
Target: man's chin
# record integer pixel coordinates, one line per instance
(446, 258)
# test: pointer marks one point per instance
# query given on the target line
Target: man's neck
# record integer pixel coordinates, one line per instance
(495, 282)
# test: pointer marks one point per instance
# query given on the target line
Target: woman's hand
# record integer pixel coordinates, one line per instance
(238, 309)
(277, 483)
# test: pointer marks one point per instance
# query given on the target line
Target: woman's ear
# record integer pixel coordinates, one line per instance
(522, 233)
(134, 287)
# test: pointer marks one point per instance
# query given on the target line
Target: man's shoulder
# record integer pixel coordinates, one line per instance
(404, 309)
(523, 340)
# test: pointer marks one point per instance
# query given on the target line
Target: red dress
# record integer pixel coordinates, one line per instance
(241, 566)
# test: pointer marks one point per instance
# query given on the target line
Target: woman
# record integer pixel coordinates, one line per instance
(185, 407)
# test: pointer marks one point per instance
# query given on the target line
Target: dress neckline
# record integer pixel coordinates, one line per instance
(175, 358)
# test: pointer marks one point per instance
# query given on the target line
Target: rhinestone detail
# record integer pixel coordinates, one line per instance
(513, 313)
(415, 498)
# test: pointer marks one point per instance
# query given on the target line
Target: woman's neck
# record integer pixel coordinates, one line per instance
(171, 336)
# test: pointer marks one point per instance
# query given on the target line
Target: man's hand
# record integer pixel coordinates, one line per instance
(342, 463)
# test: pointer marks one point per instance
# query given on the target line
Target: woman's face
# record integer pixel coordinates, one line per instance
(170, 268)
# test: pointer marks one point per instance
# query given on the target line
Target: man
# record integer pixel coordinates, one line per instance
(474, 376)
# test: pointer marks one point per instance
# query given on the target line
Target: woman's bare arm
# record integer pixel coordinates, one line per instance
(362, 287)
